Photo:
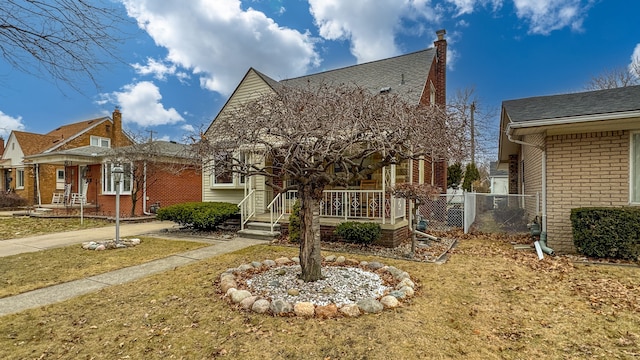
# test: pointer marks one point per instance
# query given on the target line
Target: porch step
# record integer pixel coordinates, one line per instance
(260, 231)
(256, 225)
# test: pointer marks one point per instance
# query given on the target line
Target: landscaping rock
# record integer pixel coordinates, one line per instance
(370, 305)
(304, 309)
(261, 306)
(269, 263)
(282, 260)
(406, 282)
(239, 295)
(374, 265)
(256, 264)
(245, 267)
(227, 284)
(248, 302)
(330, 258)
(280, 307)
(407, 290)
(340, 260)
(350, 310)
(389, 302)
(327, 311)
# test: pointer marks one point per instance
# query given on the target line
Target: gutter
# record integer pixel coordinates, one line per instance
(144, 190)
(573, 119)
(543, 215)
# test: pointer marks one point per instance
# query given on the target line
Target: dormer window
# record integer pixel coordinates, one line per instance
(100, 141)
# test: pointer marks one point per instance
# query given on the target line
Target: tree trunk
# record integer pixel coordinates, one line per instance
(310, 257)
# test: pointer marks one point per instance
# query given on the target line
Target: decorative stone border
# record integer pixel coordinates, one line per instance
(403, 289)
(110, 244)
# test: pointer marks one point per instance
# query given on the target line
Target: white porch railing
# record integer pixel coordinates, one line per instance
(345, 204)
(247, 208)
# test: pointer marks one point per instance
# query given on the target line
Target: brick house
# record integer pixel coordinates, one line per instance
(70, 168)
(419, 78)
(37, 182)
(575, 150)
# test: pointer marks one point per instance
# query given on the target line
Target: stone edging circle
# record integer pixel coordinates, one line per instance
(403, 290)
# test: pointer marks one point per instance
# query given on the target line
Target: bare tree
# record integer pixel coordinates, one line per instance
(59, 39)
(144, 162)
(616, 77)
(301, 134)
(471, 125)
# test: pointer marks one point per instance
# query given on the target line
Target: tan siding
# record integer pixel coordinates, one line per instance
(590, 169)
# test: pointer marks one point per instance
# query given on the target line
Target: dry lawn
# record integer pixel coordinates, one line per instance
(19, 227)
(24, 272)
(486, 302)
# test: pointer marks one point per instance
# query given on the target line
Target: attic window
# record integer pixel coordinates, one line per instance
(385, 89)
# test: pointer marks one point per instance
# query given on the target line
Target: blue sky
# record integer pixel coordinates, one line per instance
(184, 58)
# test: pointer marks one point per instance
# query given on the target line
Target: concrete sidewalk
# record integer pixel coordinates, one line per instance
(65, 291)
(53, 240)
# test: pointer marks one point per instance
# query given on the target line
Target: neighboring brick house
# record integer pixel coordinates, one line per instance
(575, 150)
(70, 166)
(419, 78)
(36, 182)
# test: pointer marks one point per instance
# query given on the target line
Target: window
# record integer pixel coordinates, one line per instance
(100, 141)
(634, 174)
(59, 179)
(108, 182)
(20, 179)
(222, 174)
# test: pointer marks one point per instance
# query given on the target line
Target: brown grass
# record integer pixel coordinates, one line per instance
(24, 272)
(486, 302)
(19, 227)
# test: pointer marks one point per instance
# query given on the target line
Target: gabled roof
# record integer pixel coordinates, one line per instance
(68, 132)
(404, 74)
(598, 102)
(32, 143)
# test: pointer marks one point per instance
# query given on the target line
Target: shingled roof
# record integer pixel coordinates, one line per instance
(404, 74)
(32, 143)
(598, 102)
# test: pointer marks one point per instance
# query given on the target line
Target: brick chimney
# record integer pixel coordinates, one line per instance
(116, 131)
(1, 145)
(441, 68)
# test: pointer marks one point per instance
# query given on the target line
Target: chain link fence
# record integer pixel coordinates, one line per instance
(476, 212)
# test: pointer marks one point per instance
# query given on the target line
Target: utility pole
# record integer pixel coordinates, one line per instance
(473, 133)
(151, 135)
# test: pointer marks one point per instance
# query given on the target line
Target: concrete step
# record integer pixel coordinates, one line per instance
(254, 225)
(259, 234)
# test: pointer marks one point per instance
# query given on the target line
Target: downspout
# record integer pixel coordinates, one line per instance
(144, 190)
(543, 234)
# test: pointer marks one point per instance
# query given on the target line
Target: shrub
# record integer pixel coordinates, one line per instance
(199, 215)
(358, 232)
(11, 200)
(294, 223)
(606, 232)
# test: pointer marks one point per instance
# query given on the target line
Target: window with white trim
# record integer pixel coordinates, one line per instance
(222, 174)
(100, 141)
(59, 179)
(634, 173)
(19, 178)
(108, 181)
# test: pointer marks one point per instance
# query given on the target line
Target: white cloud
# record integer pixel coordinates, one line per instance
(370, 25)
(218, 41)
(141, 105)
(188, 128)
(158, 69)
(9, 123)
(634, 65)
(546, 16)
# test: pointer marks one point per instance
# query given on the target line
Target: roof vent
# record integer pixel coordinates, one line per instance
(385, 89)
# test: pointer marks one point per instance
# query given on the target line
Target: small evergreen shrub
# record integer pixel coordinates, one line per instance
(11, 200)
(294, 223)
(607, 232)
(199, 215)
(358, 232)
